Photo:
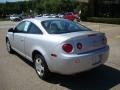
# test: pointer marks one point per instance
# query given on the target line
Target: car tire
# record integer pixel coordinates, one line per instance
(8, 46)
(41, 67)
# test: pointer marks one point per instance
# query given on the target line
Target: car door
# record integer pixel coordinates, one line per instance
(32, 39)
(19, 37)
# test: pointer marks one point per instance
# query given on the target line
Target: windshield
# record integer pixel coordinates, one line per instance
(62, 26)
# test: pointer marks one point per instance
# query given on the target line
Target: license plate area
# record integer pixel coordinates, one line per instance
(96, 59)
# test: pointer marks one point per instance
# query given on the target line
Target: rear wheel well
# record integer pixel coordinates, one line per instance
(34, 53)
(37, 52)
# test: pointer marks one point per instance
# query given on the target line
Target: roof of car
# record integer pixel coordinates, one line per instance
(43, 19)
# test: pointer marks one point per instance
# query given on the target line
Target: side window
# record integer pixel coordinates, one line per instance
(22, 27)
(34, 29)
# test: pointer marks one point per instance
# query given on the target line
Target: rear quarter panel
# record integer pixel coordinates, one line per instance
(45, 44)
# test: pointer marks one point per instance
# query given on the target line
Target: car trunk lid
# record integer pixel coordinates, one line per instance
(89, 42)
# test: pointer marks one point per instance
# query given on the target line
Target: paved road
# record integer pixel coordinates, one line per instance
(18, 74)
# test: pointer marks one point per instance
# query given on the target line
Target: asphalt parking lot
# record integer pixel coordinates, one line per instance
(18, 74)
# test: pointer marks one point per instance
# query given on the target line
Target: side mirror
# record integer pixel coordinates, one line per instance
(11, 30)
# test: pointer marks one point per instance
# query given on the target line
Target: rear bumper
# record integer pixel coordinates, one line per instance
(71, 64)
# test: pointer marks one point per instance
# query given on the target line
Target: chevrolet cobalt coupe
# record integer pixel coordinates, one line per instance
(57, 45)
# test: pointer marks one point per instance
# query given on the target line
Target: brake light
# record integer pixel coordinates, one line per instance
(67, 48)
(79, 45)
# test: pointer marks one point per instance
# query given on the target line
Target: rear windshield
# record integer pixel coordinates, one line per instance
(62, 26)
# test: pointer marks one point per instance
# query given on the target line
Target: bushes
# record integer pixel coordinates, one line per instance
(104, 20)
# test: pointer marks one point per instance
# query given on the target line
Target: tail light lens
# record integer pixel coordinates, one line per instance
(67, 48)
(79, 45)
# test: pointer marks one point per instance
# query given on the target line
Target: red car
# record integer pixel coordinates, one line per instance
(71, 16)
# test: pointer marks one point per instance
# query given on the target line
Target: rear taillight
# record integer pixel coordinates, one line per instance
(79, 46)
(67, 48)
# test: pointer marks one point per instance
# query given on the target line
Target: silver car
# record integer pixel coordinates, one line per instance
(58, 45)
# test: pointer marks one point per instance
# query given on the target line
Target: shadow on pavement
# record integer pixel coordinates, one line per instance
(101, 78)
(24, 59)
